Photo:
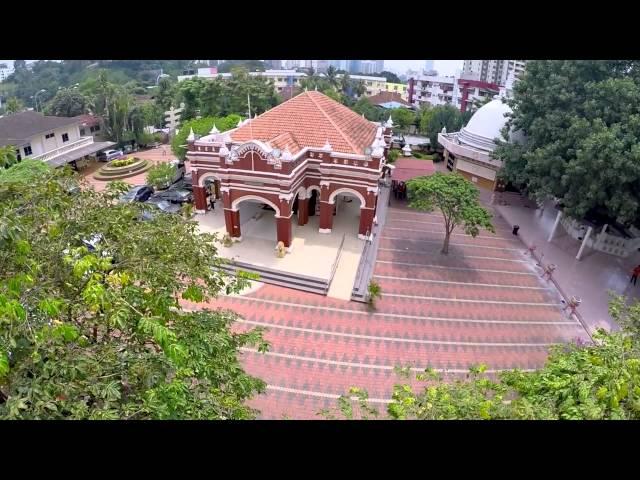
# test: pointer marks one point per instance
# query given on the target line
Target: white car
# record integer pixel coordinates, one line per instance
(109, 155)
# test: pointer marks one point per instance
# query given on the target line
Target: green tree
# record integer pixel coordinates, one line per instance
(201, 126)
(434, 119)
(402, 118)
(159, 176)
(13, 105)
(457, 199)
(67, 103)
(390, 76)
(370, 111)
(8, 156)
(582, 146)
(332, 77)
(99, 332)
(165, 94)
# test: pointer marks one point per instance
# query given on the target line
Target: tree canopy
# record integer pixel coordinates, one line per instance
(433, 119)
(68, 103)
(580, 119)
(456, 197)
(91, 326)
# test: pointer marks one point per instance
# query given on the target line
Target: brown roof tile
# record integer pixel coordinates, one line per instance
(310, 120)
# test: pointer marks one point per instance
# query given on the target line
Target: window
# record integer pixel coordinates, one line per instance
(95, 128)
(27, 150)
(65, 137)
(82, 132)
(49, 135)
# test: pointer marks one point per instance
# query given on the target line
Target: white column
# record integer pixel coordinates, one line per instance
(555, 226)
(584, 242)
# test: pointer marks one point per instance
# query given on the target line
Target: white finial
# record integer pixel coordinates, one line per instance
(327, 146)
(214, 130)
(362, 114)
(239, 123)
(255, 116)
(286, 155)
(305, 89)
(444, 130)
(316, 89)
(192, 136)
(389, 122)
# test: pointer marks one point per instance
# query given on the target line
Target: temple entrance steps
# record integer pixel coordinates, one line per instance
(283, 279)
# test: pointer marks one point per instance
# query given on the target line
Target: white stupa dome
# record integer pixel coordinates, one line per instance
(485, 126)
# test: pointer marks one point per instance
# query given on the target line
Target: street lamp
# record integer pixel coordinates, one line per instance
(160, 76)
(36, 97)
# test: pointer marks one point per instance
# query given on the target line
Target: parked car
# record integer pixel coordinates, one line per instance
(139, 193)
(185, 184)
(175, 195)
(109, 155)
(163, 205)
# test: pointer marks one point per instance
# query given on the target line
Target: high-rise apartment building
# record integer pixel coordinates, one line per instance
(273, 64)
(428, 66)
(5, 71)
(492, 71)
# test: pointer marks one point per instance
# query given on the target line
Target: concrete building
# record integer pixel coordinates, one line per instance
(401, 88)
(5, 71)
(273, 64)
(438, 90)
(468, 151)
(373, 85)
(54, 140)
(321, 66)
(428, 65)
(295, 159)
(292, 64)
(282, 79)
(492, 71)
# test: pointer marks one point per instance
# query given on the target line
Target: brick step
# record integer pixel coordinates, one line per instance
(429, 235)
(283, 279)
(403, 328)
(435, 248)
(425, 261)
(461, 276)
(396, 353)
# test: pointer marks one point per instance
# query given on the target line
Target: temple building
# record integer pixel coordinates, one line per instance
(295, 158)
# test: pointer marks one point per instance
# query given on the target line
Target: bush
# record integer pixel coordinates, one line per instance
(124, 162)
(161, 175)
(375, 291)
(393, 156)
(145, 139)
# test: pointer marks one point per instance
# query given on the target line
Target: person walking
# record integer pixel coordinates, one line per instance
(212, 202)
(634, 275)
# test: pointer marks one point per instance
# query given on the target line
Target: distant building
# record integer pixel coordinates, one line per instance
(389, 100)
(283, 80)
(428, 66)
(5, 71)
(401, 88)
(322, 66)
(459, 92)
(292, 64)
(273, 64)
(56, 141)
(492, 71)
(354, 66)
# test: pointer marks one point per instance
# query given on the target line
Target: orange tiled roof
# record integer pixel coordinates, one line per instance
(310, 120)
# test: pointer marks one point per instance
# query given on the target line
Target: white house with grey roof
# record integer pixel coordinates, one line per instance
(54, 140)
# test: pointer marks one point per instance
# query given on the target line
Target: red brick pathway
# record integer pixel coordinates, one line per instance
(485, 302)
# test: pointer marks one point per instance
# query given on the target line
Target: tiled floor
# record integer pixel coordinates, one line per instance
(484, 302)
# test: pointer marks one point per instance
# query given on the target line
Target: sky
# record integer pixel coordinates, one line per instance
(444, 67)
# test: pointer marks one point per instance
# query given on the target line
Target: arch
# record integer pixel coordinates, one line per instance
(301, 193)
(312, 188)
(207, 176)
(363, 202)
(239, 200)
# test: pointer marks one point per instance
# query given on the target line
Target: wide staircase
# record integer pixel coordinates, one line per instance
(283, 279)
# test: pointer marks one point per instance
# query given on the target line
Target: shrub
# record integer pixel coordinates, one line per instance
(375, 291)
(226, 240)
(161, 175)
(281, 250)
(124, 162)
(393, 155)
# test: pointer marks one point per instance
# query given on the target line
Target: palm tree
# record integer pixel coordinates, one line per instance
(8, 156)
(332, 76)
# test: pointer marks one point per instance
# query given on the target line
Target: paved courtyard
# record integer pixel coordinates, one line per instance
(485, 302)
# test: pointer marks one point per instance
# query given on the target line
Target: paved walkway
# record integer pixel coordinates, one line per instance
(484, 302)
(590, 278)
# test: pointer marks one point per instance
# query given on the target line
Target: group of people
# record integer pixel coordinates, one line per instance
(399, 190)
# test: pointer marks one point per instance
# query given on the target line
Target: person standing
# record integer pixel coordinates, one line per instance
(212, 202)
(634, 275)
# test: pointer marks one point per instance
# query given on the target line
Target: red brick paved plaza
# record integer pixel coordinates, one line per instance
(483, 303)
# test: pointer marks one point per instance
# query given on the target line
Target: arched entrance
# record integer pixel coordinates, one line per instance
(351, 209)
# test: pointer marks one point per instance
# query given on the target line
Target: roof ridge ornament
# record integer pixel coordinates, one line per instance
(327, 146)
(214, 130)
(192, 136)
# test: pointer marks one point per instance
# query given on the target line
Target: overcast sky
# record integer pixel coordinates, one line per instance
(444, 67)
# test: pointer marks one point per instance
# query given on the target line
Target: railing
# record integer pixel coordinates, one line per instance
(603, 241)
(363, 263)
(334, 267)
(66, 148)
(451, 145)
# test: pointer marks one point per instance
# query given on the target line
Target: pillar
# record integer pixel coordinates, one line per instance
(303, 211)
(584, 242)
(232, 222)
(326, 217)
(366, 222)
(555, 226)
(216, 186)
(200, 197)
(283, 225)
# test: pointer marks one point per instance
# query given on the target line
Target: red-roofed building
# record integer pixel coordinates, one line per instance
(302, 153)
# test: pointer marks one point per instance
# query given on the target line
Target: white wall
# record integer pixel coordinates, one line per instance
(40, 145)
